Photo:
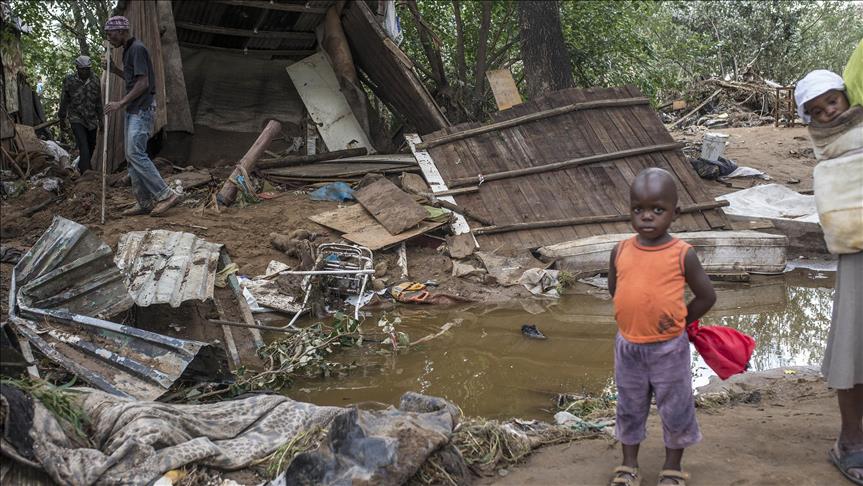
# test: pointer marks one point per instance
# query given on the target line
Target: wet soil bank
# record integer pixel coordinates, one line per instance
(780, 439)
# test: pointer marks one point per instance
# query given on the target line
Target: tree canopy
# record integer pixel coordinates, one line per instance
(661, 47)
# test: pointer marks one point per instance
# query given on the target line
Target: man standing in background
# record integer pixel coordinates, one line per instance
(81, 103)
(153, 195)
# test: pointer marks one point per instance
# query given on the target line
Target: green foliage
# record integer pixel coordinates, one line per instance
(661, 47)
(305, 352)
(61, 31)
(59, 400)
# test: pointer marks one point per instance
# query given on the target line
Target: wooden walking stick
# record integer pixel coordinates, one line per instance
(105, 131)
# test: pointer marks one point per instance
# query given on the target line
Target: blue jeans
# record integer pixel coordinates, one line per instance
(146, 180)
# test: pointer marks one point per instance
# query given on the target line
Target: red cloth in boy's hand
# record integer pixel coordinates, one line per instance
(725, 350)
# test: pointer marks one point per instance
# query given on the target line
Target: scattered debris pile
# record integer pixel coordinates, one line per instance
(58, 288)
(717, 103)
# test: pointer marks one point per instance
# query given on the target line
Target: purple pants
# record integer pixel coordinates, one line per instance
(660, 369)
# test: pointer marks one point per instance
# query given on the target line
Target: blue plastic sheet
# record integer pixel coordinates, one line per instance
(336, 191)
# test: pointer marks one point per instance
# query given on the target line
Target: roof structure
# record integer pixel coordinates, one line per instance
(559, 168)
(279, 28)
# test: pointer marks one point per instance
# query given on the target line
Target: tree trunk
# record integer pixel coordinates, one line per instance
(481, 55)
(546, 62)
(80, 30)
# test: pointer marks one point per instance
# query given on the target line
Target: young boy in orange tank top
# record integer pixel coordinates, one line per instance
(647, 276)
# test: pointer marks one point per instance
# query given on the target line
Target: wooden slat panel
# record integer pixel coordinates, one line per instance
(379, 58)
(591, 190)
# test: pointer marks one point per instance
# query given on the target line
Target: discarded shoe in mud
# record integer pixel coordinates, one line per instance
(532, 332)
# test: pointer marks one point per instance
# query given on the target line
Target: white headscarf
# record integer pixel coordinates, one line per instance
(814, 85)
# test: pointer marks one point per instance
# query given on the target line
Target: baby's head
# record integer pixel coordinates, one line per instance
(820, 96)
(653, 203)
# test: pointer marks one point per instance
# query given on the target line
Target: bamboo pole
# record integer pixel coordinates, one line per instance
(607, 218)
(105, 132)
(566, 164)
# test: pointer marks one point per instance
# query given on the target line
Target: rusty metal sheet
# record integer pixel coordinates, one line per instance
(71, 269)
(167, 267)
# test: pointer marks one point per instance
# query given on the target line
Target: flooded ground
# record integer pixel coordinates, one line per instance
(487, 367)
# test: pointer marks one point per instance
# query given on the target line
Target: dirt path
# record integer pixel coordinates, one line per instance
(781, 440)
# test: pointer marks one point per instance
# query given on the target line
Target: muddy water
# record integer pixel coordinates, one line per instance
(487, 367)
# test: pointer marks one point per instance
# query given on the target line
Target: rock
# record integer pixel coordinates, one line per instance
(379, 284)
(413, 183)
(301, 234)
(460, 246)
(381, 269)
(466, 270)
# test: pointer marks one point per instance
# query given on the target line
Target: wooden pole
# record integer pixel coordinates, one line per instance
(459, 209)
(566, 164)
(608, 218)
(228, 193)
(105, 133)
(587, 105)
(695, 110)
(308, 159)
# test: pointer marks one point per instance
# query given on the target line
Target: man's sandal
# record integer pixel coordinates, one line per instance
(679, 476)
(847, 462)
(625, 476)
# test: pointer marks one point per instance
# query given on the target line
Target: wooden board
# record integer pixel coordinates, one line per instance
(390, 71)
(504, 89)
(393, 208)
(346, 169)
(319, 89)
(377, 237)
(590, 190)
(361, 228)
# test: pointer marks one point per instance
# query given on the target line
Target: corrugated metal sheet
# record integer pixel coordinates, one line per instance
(167, 267)
(71, 269)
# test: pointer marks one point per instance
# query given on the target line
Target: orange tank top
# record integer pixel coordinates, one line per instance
(649, 304)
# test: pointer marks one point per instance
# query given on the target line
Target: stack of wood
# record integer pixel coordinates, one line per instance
(718, 103)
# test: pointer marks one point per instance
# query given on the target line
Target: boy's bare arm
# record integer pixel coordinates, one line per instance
(612, 272)
(699, 282)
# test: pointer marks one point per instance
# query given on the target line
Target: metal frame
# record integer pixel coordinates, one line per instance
(349, 266)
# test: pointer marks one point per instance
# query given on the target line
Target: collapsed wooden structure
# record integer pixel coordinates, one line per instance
(221, 69)
(559, 168)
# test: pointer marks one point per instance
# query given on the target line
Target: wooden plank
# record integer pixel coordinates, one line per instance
(307, 159)
(503, 88)
(337, 169)
(391, 207)
(564, 164)
(397, 84)
(591, 105)
(360, 227)
(585, 220)
(349, 219)
(269, 5)
(253, 52)
(377, 237)
(435, 181)
(261, 34)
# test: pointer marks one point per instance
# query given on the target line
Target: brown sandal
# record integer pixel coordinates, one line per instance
(679, 476)
(625, 476)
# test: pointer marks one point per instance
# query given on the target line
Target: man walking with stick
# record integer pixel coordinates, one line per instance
(153, 195)
(81, 104)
